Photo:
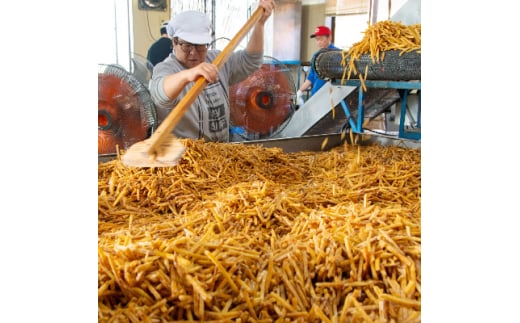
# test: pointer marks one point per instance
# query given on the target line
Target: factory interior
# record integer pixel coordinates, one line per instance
(311, 212)
(339, 206)
(390, 109)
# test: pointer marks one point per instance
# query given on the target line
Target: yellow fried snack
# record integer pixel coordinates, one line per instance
(381, 37)
(238, 232)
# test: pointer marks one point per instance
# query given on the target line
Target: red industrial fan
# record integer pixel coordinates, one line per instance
(263, 104)
(126, 113)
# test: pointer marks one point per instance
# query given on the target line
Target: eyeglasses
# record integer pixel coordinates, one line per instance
(187, 47)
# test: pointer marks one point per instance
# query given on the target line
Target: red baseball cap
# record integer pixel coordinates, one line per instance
(321, 31)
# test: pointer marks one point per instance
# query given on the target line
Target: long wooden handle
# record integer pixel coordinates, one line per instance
(165, 128)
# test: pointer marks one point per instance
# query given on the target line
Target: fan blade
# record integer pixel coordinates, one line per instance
(263, 103)
(125, 113)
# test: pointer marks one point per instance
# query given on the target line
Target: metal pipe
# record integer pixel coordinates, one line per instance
(213, 18)
(115, 30)
(129, 34)
(374, 11)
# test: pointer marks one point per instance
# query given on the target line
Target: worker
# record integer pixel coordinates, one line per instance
(209, 116)
(323, 37)
(161, 48)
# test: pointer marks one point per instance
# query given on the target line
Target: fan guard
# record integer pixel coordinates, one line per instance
(263, 104)
(152, 4)
(141, 68)
(126, 113)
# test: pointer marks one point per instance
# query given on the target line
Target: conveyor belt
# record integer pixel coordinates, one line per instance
(395, 66)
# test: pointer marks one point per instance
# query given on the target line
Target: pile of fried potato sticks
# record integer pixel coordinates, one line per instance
(244, 233)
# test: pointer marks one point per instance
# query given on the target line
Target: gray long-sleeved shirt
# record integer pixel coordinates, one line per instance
(209, 115)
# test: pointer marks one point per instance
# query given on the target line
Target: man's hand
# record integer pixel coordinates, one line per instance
(206, 70)
(299, 98)
(268, 6)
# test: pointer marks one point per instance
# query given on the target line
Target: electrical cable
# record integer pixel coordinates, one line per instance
(149, 27)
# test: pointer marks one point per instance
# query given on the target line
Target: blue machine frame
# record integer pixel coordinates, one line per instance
(403, 87)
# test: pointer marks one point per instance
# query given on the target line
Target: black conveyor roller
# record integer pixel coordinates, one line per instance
(394, 66)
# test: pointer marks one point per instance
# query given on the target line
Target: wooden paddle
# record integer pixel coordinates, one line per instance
(163, 149)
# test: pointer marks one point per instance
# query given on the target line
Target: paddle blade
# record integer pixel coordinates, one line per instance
(169, 152)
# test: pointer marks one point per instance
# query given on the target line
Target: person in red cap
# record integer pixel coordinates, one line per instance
(323, 37)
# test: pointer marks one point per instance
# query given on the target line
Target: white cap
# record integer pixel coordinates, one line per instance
(191, 26)
(169, 29)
